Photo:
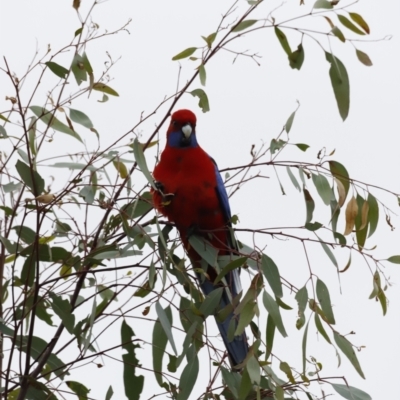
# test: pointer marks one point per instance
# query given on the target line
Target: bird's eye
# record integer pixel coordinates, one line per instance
(174, 123)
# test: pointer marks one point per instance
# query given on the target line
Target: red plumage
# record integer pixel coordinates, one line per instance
(191, 194)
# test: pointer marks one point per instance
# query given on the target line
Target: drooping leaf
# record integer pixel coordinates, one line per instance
(133, 383)
(325, 301)
(323, 4)
(310, 205)
(296, 59)
(323, 187)
(293, 179)
(63, 309)
(102, 87)
(166, 324)
(241, 26)
(328, 252)
(237, 263)
(358, 19)
(270, 333)
(30, 177)
(141, 161)
(80, 118)
(340, 84)
(302, 299)
(339, 172)
(283, 41)
(203, 99)
(347, 349)
(273, 310)
(304, 347)
(202, 74)
(271, 273)
(57, 69)
(338, 33)
(321, 328)
(349, 25)
(205, 249)
(211, 302)
(364, 58)
(79, 389)
(184, 54)
(78, 69)
(351, 214)
(351, 393)
(189, 375)
(47, 117)
(25, 233)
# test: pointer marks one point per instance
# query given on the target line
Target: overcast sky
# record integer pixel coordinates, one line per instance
(249, 105)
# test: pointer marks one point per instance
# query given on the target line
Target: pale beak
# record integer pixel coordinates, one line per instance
(187, 130)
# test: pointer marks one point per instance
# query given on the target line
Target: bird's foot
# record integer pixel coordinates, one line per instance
(166, 197)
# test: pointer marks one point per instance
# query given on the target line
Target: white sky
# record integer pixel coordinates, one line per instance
(249, 105)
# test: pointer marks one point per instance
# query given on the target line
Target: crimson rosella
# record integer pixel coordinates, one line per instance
(190, 193)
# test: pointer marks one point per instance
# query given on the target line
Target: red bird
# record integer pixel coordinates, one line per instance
(191, 194)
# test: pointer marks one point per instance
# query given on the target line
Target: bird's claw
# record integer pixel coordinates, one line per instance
(166, 197)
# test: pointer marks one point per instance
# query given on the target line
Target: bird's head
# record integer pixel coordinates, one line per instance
(182, 129)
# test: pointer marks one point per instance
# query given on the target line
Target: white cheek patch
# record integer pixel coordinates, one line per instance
(187, 130)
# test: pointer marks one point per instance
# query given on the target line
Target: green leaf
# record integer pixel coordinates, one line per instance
(313, 226)
(159, 342)
(283, 41)
(270, 333)
(323, 188)
(284, 367)
(338, 33)
(78, 32)
(340, 172)
(351, 393)
(205, 249)
(232, 380)
(302, 146)
(203, 99)
(310, 205)
(25, 233)
(246, 315)
(273, 310)
(349, 25)
(211, 302)
(364, 58)
(304, 347)
(109, 393)
(47, 117)
(328, 252)
(347, 349)
(166, 324)
(325, 301)
(321, 328)
(253, 369)
(202, 74)
(184, 54)
(241, 26)
(78, 69)
(80, 118)
(293, 179)
(296, 59)
(271, 273)
(63, 309)
(210, 39)
(3, 132)
(245, 385)
(30, 177)
(302, 299)
(57, 69)
(4, 118)
(325, 4)
(358, 19)
(133, 383)
(237, 263)
(80, 390)
(289, 122)
(141, 161)
(394, 259)
(189, 375)
(101, 87)
(340, 84)
(7, 210)
(86, 64)
(32, 136)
